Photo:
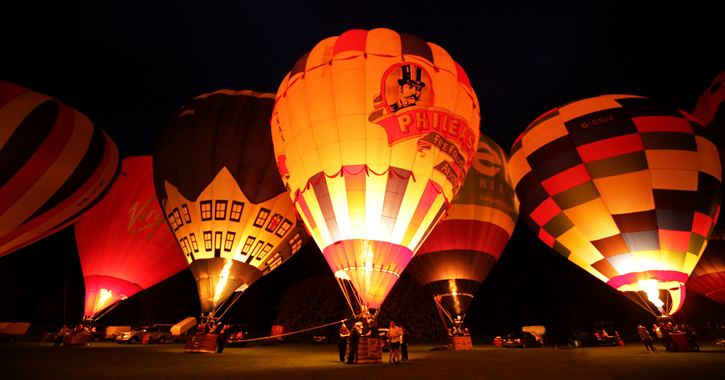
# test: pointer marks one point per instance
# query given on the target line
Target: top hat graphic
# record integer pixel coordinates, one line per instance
(407, 77)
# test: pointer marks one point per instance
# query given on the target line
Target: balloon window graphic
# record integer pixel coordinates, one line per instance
(624, 187)
(374, 133)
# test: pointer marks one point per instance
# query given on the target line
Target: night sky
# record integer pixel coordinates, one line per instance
(128, 65)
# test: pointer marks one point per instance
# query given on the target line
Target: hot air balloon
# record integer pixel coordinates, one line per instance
(374, 134)
(708, 277)
(124, 242)
(217, 182)
(461, 250)
(624, 187)
(55, 166)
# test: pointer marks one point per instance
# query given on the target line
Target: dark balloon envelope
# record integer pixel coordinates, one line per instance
(124, 242)
(217, 182)
(708, 278)
(56, 164)
(624, 187)
(462, 249)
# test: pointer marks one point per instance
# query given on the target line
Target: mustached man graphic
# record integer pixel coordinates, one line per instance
(411, 87)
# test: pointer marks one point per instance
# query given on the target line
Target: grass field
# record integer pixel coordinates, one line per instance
(108, 360)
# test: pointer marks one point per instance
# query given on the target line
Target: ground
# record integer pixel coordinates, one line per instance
(108, 360)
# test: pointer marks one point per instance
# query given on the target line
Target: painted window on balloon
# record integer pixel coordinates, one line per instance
(194, 245)
(207, 241)
(236, 212)
(205, 208)
(175, 219)
(220, 210)
(185, 212)
(217, 244)
(286, 225)
(261, 217)
(229, 241)
(248, 244)
(265, 251)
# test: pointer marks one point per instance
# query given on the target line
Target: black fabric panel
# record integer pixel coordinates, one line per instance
(622, 164)
(566, 158)
(558, 225)
(27, 138)
(668, 140)
(208, 134)
(639, 107)
(414, 45)
(709, 194)
(636, 221)
(675, 199)
(576, 196)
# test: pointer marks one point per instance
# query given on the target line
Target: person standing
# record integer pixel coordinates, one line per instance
(647, 339)
(222, 338)
(342, 341)
(354, 340)
(394, 334)
(404, 338)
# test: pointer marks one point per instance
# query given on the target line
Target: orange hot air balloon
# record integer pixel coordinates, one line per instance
(624, 187)
(216, 180)
(462, 249)
(124, 243)
(374, 134)
(55, 166)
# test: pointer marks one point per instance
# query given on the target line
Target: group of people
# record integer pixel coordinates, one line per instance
(66, 331)
(662, 332)
(349, 339)
(213, 327)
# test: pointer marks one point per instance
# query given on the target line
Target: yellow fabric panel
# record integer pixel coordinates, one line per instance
(383, 42)
(341, 206)
(585, 251)
(586, 106)
(672, 159)
(598, 229)
(626, 193)
(544, 133)
(410, 202)
(624, 263)
(519, 166)
(375, 186)
(675, 179)
(324, 232)
(580, 263)
(710, 159)
(690, 263)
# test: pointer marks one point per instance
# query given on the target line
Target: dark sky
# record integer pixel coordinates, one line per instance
(129, 64)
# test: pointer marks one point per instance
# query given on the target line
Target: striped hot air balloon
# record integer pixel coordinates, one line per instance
(218, 185)
(124, 242)
(55, 164)
(622, 186)
(463, 248)
(374, 134)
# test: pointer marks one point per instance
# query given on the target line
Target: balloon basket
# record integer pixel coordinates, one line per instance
(203, 343)
(461, 343)
(369, 350)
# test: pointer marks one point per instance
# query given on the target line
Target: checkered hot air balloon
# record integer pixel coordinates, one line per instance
(55, 164)
(124, 242)
(463, 248)
(624, 187)
(374, 134)
(217, 182)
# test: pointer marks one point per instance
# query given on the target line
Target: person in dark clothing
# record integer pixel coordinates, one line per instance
(647, 339)
(404, 339)
(342, 341)
(353, 340)
(222, 339)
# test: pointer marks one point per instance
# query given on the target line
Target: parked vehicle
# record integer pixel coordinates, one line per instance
(113, 331)
(523, 339)
(157, 334)
(238, 332)
(600, 333)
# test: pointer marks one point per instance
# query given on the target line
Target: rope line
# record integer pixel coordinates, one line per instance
(294, 332)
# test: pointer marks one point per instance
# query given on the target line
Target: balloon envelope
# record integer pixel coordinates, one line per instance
(217, 182)
(462, 249)
(374, 133)
(124, 243)
(55, 166)
(624, 187)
